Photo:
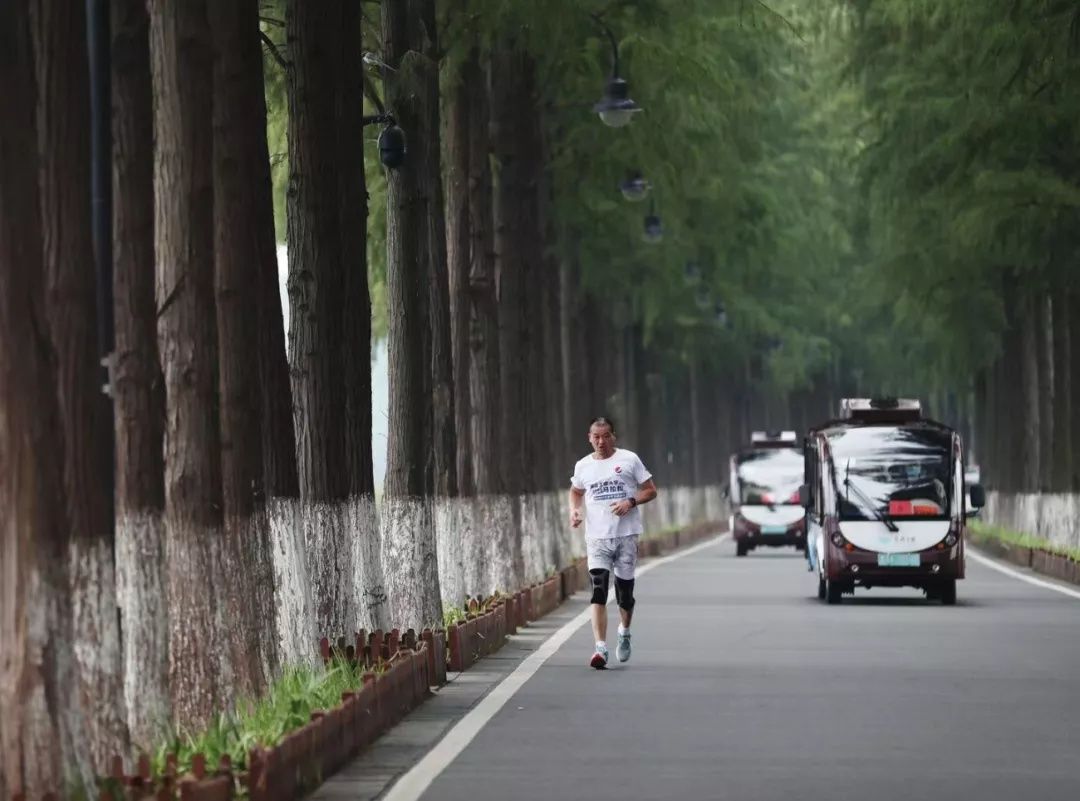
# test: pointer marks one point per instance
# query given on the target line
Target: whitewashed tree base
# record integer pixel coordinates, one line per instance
(330, 565)
(410, 562)
(296, 631)
(369, 589)
(1052, 516)
(98, 655)
(140, 596)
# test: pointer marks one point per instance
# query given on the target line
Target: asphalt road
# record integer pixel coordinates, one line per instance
(744, 686)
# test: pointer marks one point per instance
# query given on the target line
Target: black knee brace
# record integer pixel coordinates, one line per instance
(624, 593)
(600, 579)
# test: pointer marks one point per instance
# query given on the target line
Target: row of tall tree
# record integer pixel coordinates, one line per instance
(244, 502)
(856, 197)
(968, 234)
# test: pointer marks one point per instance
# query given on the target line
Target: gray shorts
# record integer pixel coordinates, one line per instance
(617, 554)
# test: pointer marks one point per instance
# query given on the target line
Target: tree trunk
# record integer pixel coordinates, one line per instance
(1012, 383)
(317, 296)
(63, 119)
(1074, 384)
(138, 383)
(456, 146)
(293, 591)
(559, 461)
(1063, 396)
(570, 311)
(182, 56)
(246, 577)
(511, 130)
(1031, 443)
(40, 726)
(695, 445)
(1044, 323)
(363, 523)
(489, 542)
(409, 546)
(426, 150)
(483, 332)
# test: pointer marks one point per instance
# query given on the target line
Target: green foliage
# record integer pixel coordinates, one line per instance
(264, 722)
(854, 177)
(984, 532)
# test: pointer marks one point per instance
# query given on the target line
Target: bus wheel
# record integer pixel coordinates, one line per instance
(948, 592)
(832, 592)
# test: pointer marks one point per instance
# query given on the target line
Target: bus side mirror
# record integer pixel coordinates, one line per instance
(805, 501)
(977, 496)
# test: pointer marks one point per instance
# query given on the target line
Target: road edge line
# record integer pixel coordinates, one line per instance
(415, 782)
(982, 559)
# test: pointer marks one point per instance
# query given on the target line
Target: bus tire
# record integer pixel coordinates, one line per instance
(947, 593)
(821, 588)
(740, 549)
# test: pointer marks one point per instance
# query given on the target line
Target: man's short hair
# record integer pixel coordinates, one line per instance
(603, 421)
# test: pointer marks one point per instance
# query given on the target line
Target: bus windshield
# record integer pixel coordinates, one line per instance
(892, 472)
(769, 476)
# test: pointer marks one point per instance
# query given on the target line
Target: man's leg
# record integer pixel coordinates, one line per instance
(599, 619)
(625, 568)
(598, 608)
(600, 559)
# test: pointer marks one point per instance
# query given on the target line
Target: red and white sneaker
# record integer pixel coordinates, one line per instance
(600, 658)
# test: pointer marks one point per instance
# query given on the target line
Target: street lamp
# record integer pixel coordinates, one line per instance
(615, 108)
(721, 315)
(392, 144)
(634, 188)
(654, 229)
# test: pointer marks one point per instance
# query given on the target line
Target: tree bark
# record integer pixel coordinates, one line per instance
(182, 56)
(1061, 357)
(511, 131)
(63, 142)
(138, 383)
(1031, 443)
(363, 524)
(1074, 384)
(1043, 323)
(483, 332)
(292, 584)
(456, 147)
(247, 574)
(354, 212)
(570, 311)
(695, 444)
(409, 552)
(317, 287)
(427, 149)
(40, 724)
(63, 116)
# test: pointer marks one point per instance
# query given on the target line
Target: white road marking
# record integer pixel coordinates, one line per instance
(414, 783)
(1016, 574)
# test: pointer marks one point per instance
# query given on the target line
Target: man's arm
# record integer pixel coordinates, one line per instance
(577, 498)
(645, 493)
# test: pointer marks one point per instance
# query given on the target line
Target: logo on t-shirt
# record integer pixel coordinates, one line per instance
(618, 468)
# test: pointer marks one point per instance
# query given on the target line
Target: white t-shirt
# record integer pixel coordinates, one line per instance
(606, 481)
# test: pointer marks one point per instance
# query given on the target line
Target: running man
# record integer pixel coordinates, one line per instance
(610, 483)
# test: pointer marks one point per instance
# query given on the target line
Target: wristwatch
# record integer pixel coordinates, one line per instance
(633, 501)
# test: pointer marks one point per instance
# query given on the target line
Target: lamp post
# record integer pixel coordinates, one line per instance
(393, 146)
(635, 187)
(615, 108)
(654, 229)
